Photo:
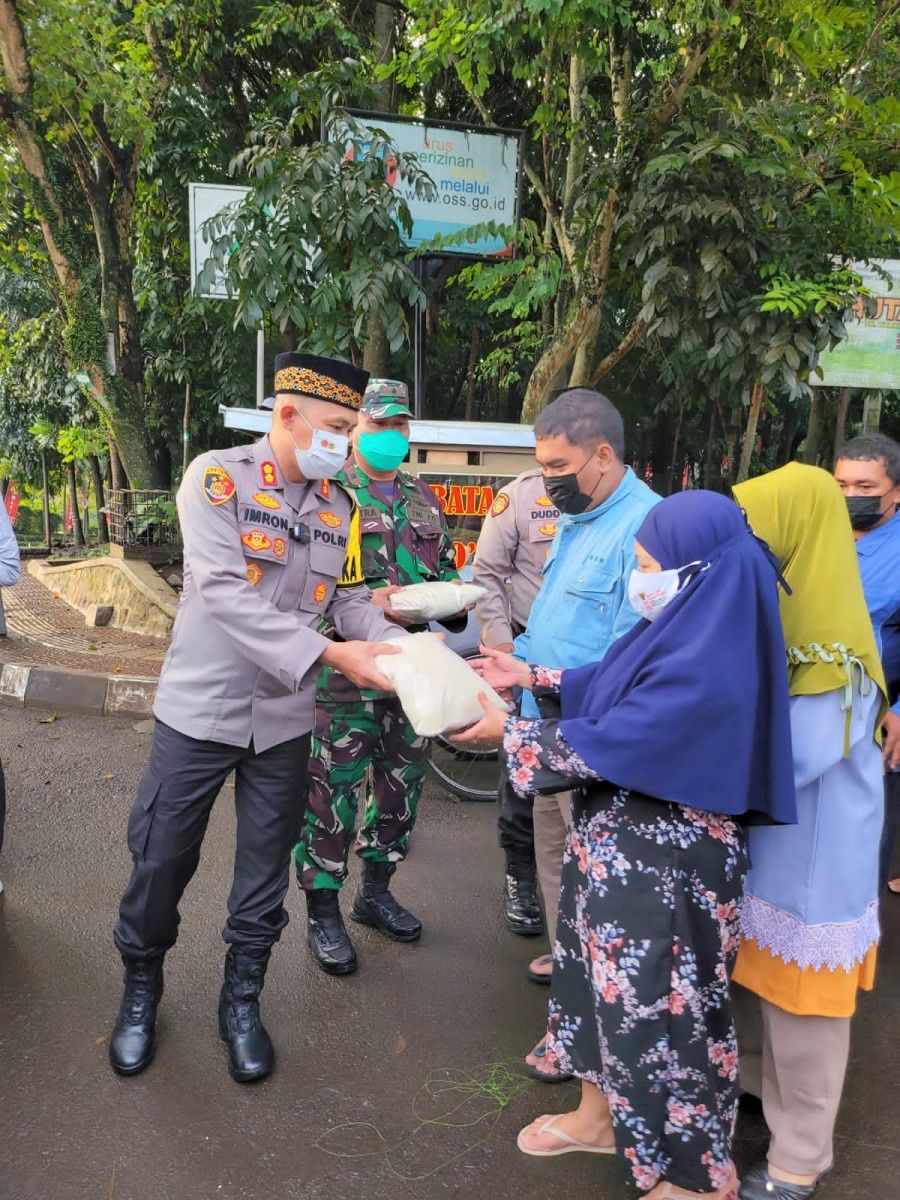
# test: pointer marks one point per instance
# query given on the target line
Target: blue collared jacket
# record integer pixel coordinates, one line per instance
(878, 552)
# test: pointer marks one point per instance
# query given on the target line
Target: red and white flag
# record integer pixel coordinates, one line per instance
(12, 501)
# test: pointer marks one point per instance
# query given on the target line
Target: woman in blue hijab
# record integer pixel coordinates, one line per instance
(679, 738)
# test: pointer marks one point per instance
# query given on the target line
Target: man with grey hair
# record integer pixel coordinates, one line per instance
(582, 607)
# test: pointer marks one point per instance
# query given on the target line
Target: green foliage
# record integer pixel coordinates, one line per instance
(317, 242)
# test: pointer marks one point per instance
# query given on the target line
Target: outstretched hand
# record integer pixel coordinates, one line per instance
(486, 732)
(501, 670)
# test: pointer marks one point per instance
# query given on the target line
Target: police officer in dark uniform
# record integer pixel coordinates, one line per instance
(271, 547)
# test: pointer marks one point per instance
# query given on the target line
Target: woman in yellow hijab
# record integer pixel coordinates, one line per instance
(810, 913)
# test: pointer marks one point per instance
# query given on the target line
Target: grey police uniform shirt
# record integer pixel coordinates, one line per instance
(509, 558)
(243, 660)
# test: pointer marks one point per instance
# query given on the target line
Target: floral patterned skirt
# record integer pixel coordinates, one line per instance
(649, 920)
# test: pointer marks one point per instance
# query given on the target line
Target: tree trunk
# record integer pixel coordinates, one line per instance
(186, 429)
(813, 428)
(45, 497)
(74, 505)
(99, 500)
(107, 174)
(840, 420)
(474, 350)
(756, 399)
(118, 478)
(709, 478)
(675, 476)
(376, 352)
(788, 434)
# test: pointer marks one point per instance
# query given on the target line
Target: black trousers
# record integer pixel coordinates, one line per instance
(515, 825)
(168, 822)
(515, 822)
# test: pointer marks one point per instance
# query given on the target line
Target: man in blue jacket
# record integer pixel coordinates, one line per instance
(868, 470)
(582, 607)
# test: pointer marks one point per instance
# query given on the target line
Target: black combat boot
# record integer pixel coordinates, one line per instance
(250, 1052)
(133, 1040)
(523, 909)
(326, 935)
(374, 905)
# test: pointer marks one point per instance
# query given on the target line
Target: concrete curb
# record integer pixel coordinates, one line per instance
(77, 691)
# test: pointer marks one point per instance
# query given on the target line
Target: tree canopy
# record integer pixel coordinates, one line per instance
(699, 178)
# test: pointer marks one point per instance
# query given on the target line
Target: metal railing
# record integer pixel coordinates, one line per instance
(142, 517)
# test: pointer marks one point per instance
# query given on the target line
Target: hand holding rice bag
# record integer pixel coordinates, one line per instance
(436, 600)
(437, 689)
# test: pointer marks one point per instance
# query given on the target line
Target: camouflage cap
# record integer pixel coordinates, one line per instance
(385, 398)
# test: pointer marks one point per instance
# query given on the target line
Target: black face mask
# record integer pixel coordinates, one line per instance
(865, 511)
(565, 493)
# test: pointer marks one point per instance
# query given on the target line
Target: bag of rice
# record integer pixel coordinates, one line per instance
(437, 689)
(434, 601)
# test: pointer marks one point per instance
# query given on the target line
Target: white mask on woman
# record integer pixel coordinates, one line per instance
(650, 591)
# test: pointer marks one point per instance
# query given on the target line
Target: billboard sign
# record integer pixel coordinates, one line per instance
(206, 200)
(476, 173)
(870, 357)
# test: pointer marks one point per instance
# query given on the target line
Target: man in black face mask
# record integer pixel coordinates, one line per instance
(868, 470)
(582, 607)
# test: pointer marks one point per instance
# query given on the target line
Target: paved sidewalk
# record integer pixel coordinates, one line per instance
(51, 659)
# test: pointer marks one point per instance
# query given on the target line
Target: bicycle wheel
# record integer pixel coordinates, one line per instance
(469, 774)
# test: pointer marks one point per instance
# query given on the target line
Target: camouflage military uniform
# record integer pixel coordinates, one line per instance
(363, 746)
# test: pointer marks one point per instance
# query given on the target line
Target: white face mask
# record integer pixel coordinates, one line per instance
(650, 591)
(326, 455)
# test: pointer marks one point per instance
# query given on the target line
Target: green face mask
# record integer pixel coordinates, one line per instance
(385, 450)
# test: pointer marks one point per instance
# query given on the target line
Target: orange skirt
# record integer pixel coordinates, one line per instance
(806, 991)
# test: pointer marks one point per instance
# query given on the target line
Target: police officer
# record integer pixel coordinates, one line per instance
(512, 548)
(364, 748)
(270, 549)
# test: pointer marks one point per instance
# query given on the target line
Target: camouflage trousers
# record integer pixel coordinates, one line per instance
(364, 752)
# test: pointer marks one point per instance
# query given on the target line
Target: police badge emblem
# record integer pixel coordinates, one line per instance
(218, 485)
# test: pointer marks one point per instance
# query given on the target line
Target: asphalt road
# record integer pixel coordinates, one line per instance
(403, 1081)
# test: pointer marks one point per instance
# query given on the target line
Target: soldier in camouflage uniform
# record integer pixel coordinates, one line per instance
(364, 749)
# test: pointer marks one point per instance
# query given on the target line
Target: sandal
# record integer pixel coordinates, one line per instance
(669, 1191)
(535, 976)
(566, 1144)
(553, 1075)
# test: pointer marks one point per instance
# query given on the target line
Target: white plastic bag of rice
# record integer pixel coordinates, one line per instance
(433, 601)
(437, 689)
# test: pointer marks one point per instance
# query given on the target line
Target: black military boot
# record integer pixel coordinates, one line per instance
(523, 909)
(250, 1052)
(374, 905)
(132, 1044)
(326, 935)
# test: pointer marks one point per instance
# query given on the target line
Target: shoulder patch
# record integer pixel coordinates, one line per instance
(501, 504)
(218, 485)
